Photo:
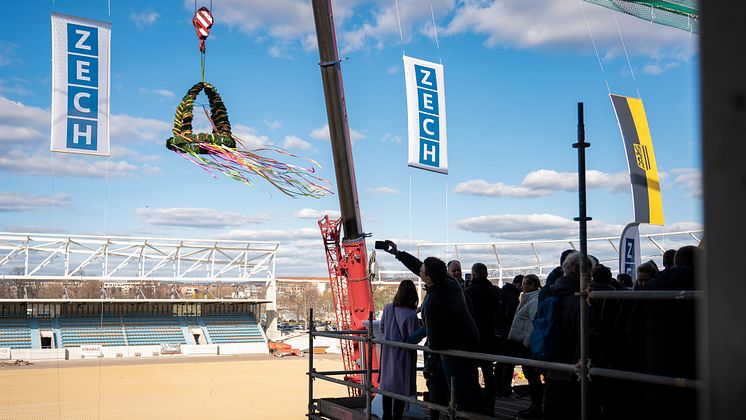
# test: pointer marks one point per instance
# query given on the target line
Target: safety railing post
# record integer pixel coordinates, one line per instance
(581, 145)
(452, 401)
(369, 368)
(311, 370)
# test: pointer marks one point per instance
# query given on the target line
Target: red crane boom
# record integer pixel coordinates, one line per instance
(346, 255)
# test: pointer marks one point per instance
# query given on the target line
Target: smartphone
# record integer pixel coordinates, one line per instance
(381, 245)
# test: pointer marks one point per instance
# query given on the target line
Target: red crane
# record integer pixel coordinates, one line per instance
(346, 255)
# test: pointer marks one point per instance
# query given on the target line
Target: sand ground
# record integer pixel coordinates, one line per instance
(253, 387)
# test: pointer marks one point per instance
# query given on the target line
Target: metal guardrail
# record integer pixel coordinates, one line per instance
(366, 336)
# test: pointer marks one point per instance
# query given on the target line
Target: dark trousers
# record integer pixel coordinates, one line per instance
(504, 372)
(465, 381)
(562, 400)
(398, 409)
(490, 385)
(532, 375)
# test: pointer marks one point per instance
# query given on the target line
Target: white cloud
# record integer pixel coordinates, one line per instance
(19, 134)
(32, 123)
(274, 234)
(250, 138)
(197, 217)
(13, 201)
(125, 152)
(560, 24)
(18, 114)
(481, 187)
(8, 54)
(544, 182)
(689, 180)
(415, 18)
(293, 142)
(533, 226)
(393, 70)
(15, 85)
(39, 163)
(395, 138)
(34, 229)
(383, 190)
(317, 214)
(144, 19)
(273, 125)
(568, 181)
(126, 128)
(164, 93)
(322, 133)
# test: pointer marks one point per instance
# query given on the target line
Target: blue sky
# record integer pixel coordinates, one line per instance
(514, 72)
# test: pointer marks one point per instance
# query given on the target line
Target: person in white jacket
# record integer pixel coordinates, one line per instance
(520, 340)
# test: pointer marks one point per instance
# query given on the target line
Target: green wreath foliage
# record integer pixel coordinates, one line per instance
(184, 140)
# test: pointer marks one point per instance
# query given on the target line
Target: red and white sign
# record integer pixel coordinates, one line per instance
(91, 350)
(4, 353)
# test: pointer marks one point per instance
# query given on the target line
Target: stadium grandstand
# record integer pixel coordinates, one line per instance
(53, 329)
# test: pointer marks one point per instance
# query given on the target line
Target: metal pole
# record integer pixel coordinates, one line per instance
(311, 408)
(452, 402)
(369, 365)
(581, 145)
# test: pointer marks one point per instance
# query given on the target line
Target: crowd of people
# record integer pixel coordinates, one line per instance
(527, 320)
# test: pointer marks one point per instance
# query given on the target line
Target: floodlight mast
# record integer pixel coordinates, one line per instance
(346, 256)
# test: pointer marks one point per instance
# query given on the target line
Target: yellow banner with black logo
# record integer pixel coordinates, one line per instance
(643, 171)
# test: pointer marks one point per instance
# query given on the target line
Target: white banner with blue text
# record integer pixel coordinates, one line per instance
(629, 250)
(426, 111)
(80, 85)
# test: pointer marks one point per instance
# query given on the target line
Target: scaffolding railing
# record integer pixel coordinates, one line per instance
(450, 410)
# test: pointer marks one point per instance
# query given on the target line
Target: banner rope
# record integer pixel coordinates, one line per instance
(411, 241)
(435, 31)
(593, 41)
(624, 46)
(398, 21)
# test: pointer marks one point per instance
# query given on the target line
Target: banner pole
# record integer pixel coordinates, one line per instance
(581, 145)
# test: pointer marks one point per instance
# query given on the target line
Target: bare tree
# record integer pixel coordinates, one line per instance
(383, 294)
(52, 290)
(90, 289)
(306, 296)
(18, 284)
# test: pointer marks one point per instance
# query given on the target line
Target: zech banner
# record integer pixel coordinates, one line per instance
(629, 250)
(643, 171)
(80, 85)
(426, 111)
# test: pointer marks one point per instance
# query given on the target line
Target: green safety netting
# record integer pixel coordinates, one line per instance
(682, 14)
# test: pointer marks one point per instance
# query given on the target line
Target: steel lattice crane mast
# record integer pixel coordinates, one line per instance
(346, 255)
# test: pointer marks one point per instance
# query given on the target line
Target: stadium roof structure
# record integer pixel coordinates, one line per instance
(53, 257)
(681, 14)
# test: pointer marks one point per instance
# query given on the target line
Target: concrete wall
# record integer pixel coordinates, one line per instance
(244, 348)
(38, 354)
(74, 353)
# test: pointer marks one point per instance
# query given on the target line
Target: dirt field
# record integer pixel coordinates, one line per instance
(256, 387)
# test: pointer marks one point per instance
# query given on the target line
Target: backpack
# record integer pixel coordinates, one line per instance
(544, 323)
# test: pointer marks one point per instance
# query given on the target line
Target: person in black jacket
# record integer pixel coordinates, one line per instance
(553, 275)
(562, 395)
(485, 300)
(449, 325)
(669, 339)
(509, 303)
